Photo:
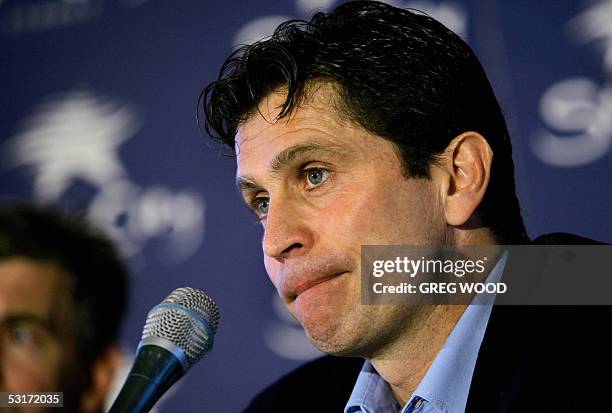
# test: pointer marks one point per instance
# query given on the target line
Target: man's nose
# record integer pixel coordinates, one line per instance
(287, 231)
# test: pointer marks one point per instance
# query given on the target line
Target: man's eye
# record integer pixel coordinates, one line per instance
(22, 334)
(261, 205)
(316, 176)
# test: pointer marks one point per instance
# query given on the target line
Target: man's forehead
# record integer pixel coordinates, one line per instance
(265, 144)
(319, 99)
(32, 284)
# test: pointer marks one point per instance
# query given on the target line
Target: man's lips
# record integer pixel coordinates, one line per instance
(292, 286)
(306, 285)
(293, 277)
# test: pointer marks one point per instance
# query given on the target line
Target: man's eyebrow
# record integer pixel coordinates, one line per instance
(286, 157)
(244, 183)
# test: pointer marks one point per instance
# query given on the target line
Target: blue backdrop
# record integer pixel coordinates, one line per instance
(98, 102)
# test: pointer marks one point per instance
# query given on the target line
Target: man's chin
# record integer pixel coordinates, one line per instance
(329, 314)
(337, 336)
(331, 345)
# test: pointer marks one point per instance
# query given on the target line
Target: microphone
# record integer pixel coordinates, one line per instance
(177, 334)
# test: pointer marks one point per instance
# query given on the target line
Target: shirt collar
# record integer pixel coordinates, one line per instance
(447, 383)
(371, 393)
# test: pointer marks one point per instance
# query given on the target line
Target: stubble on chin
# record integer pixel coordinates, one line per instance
(368, 331)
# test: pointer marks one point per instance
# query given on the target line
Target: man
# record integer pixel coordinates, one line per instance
(62, 296)
(374, 125)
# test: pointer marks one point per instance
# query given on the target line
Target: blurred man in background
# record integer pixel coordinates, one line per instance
(62, 296)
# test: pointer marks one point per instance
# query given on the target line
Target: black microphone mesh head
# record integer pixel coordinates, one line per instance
(179, 318)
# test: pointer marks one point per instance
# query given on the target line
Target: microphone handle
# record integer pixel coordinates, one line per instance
(155, 369)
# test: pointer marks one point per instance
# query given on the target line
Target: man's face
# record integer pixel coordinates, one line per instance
(323, 187)
(33, 342)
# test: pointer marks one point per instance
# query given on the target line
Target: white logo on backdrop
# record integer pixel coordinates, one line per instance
(19, 17)
(284, 336)
(450, 14)
(133, 215)
(577, 110)
(36, 16)
(580, 111)
(76, 137)
(595, 25)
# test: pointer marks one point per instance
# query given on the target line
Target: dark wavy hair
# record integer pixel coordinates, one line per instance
(97, 276)
(399, 74)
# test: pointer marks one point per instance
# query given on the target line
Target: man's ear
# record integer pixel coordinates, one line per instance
(102, 374)
(467, 165)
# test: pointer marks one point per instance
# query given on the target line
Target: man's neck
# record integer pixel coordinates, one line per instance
(404, 364)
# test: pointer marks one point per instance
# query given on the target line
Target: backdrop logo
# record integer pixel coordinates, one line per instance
(18, 16)
(576, 110)
(34, 16)
(76, 137)
(72, 136)
(450, 14)
(285, 337)
(595, 26)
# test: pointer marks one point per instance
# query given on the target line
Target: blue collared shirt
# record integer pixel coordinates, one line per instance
(446, 385)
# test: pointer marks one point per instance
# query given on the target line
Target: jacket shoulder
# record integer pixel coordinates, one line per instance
(564, 238)
(322, 385)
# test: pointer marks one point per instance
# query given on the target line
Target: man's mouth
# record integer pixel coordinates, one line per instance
(297, 286)
(311, 283)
